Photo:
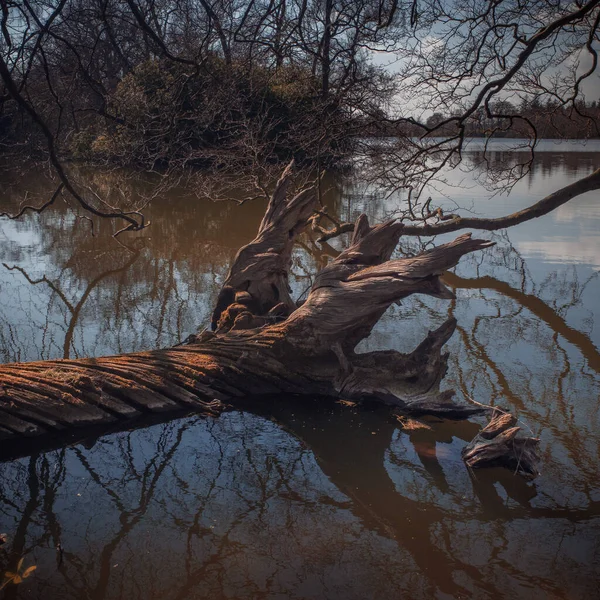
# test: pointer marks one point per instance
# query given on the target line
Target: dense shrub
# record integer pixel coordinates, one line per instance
(162, 114)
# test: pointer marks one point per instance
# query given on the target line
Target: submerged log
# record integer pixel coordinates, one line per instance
(499, 444)
(261, 341)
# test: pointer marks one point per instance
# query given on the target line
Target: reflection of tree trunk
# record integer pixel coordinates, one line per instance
(536, 306)
(19, 544)
(262, 343)
(350, 449)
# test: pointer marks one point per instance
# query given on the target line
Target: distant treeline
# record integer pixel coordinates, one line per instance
(550, 119)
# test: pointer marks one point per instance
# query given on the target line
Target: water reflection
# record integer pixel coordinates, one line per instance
(323, 502)
(302, 499)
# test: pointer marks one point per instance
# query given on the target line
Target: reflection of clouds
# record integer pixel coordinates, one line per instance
(585, 207)
(237, 506)
(586, 250)
(570, 236)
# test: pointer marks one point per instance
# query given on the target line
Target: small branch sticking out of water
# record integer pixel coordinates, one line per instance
(497, 444)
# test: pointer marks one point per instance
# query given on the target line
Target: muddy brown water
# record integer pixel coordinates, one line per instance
(294, 498)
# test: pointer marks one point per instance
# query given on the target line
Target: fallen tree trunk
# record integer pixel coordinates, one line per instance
(262, 342)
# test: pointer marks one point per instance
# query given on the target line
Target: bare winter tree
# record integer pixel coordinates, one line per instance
(165, 85)
(226, 85)
(508, 68)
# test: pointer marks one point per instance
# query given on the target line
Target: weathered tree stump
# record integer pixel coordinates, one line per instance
(262, 342)
(499, 444)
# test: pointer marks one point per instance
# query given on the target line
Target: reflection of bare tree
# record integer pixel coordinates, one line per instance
(346, 505)
(74, 309)
(536, 306)
(162, 298)
(159, 300)
(523, 351)
(234, 506)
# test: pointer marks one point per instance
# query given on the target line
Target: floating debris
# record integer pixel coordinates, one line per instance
(498, 444)
(410, 424)
(349, 403)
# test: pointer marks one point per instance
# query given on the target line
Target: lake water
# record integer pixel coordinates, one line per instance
(304, 499)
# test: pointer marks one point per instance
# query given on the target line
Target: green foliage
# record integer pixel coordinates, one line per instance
(146, 92)
(81, 144)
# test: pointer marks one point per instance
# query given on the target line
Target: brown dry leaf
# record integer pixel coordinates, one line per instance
(28, 571)
(347, 402)
(17, 579)
(411, 424)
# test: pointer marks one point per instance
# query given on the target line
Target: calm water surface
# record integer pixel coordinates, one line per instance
(296, 499)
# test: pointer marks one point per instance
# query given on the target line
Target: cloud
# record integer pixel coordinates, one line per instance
(585, 250)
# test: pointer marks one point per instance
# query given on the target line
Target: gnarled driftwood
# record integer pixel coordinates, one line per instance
(262, 342)
(499, 444)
